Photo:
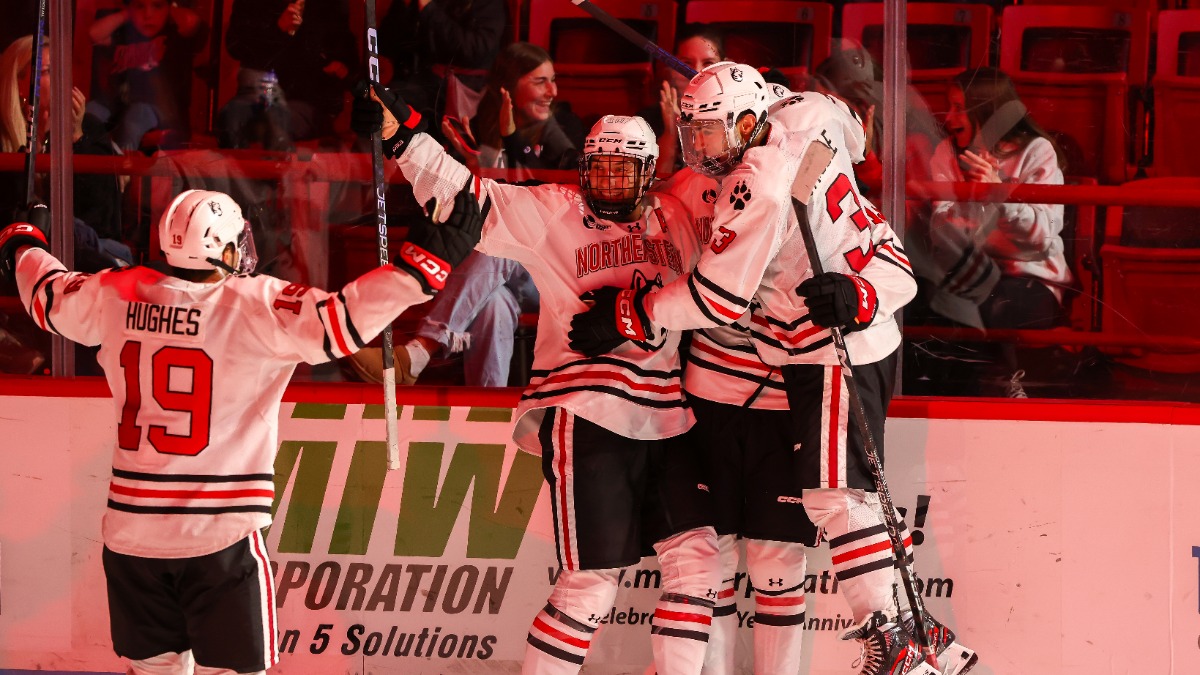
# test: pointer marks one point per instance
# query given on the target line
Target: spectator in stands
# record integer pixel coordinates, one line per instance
(698, 46)
(517, 124)
(295, 60)
(441, 52)
(143, 70)
(477, 313)
(97, 197)
(994, 265)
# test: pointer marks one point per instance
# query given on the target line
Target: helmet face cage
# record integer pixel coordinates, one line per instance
(614, 182)
(617, 165)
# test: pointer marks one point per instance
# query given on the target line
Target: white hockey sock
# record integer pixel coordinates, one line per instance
(777, 570)
(859, 546)
(169, 663)
(722, 638)
(683, 616)
(562, 632)
(418, 358)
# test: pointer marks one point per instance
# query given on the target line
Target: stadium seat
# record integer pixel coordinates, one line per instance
(791, 36)
(1075, 67)
(1150, 262)
(1176, 89)
(598, 72)
(943, 40)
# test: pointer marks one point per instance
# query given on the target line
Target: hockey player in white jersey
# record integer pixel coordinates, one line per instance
(601, 424)
(731, 127)
(197, 353)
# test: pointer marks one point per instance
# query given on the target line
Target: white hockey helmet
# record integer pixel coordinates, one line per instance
(617, 165)
(709, 110)
(196, 228)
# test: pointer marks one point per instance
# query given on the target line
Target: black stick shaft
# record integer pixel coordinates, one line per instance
(35, 101)
(636, 38)
(389, 367)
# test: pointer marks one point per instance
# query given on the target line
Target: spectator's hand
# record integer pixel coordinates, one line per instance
(384, 111)
(337, 69)
(78, 108)
(615, 316)
(837, 300)
(433, 249)
(981, 167)
(469, 154)
(668, 105)
(508, 124)
(292, 17)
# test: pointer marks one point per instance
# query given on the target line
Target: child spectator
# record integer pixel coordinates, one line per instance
(142, 73)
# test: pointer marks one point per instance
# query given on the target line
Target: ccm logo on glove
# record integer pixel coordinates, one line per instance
(434, 269)
(627, 319)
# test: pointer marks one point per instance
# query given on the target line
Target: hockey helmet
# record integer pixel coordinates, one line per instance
(617, 165)
(196, 228)
(709, 110)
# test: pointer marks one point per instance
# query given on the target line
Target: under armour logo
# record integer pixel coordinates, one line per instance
(592, 618)
(711, 594)
(216, 208)
(775, 582)
(635, 226)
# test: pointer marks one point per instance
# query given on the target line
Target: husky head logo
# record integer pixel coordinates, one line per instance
(216, 208)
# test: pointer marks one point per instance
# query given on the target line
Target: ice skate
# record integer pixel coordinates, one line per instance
(887, 648)
(952, 657)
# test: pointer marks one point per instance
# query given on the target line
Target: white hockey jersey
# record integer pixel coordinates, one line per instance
(756, 257)
(722, 364)
(568, 250)
(197, 372)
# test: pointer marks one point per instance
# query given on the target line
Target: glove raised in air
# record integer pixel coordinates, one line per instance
(433, 249)
(29, 230)
(367, 116)
(839, 301)
(616, 315)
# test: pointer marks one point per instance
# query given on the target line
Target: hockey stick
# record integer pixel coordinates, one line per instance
(35, 101)
(389, 366)
(816, 159)
(619, 27)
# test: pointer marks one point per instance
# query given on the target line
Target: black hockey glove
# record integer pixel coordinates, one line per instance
(616, 316)
(366, 117)
(433, 249)
(29, 230)
(839, 301)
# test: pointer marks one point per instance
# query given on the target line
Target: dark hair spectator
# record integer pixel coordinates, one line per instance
(993, 265)
(517, 116)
